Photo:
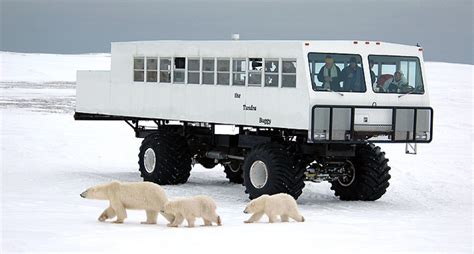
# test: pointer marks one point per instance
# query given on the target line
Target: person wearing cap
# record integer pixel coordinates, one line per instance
(352, 77)
(330, 74)
(398, 82)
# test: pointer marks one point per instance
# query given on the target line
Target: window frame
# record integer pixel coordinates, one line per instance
(277, 73)
(281, 73)
(420, 69)
(143, 70)
(261, 72)
(147, 70)
(170, 70)
(335, 54)
(203, 71)
(193, 71)
(184, 71)
(229, 60)
(239, 72)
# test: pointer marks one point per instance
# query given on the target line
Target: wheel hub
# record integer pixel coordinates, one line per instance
(258, 174)
(149, 160)
(349, 175)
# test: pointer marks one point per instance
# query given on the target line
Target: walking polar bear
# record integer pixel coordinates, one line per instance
(191, 208)
(282, 205)
(136, 196)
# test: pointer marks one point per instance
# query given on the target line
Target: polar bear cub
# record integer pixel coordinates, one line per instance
(282, 205)
(192, 208)
(136, 196)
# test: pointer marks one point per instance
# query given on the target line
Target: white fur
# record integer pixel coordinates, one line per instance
(192, 208)
(137, 196)
(282, 205)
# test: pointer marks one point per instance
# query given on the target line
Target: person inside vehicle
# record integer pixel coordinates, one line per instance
(372, 73)
(330, 74)
(352, 77)
(397, 83)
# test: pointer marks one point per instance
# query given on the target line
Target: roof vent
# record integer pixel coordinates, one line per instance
(235, 37)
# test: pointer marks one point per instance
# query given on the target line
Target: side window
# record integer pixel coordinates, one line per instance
(223, 71)
(238, 72)
(396, 74)
(179, 69)
(208, 71)
(151, 69)
(139, 69)
(288, 73)
(165, 70)
(337, 72)
(255, 71)
(271, 72)
(193, 71)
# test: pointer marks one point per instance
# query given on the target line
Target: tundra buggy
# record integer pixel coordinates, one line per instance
(274, 114)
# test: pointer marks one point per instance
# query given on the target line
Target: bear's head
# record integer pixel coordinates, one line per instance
(96, 192)
(168, 207)
(256, 205)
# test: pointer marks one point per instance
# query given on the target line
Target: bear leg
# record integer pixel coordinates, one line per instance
(207, 222)
(284, 218)
(272, 218)
(178, 219)
(297, 217)
(108, 213)
(191, 221)
(120, 211)
(150, 217)
(255, 217)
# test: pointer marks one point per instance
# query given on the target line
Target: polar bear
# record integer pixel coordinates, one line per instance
(282, 205)
(190, 208)
(136, 196)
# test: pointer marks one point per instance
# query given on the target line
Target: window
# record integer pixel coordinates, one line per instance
(151, 69)
(193, 71)
(179, 69)
(223, 72)
(238, 72)
(397, 74)
(271, 72)
(165, 70)
(139, 69)
(255, 71)
(288, 73)
(336, 72)
(208, 71)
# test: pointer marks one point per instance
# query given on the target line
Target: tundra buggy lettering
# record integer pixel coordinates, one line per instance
(329, 102)
(265, 121)
(251, 107)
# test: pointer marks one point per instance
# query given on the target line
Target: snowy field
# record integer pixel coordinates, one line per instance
(47, 159)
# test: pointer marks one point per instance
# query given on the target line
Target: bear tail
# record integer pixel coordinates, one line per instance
(219, 222)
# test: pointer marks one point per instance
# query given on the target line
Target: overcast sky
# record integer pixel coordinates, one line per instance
(443, 28)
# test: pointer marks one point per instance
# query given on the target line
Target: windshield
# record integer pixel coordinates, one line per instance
(396, 74)
(336, 72)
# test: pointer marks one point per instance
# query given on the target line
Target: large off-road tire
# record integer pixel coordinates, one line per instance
(369, 180)
(233, 171)
(164, 158)
(268, 169)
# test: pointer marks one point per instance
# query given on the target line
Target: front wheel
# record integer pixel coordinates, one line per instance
(233, 172)
(368, 175)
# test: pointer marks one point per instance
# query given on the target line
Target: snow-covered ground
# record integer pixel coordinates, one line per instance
(47, 159)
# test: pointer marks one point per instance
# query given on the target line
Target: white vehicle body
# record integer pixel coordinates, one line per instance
(115, 93)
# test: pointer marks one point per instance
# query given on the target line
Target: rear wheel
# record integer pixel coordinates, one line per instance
(368, 175)
(268, 170)
(164, 158)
